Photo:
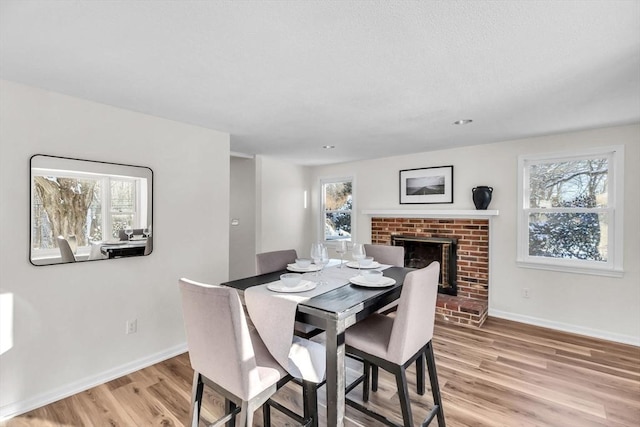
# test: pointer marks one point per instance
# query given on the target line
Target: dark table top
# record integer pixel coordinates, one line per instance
(342, 299)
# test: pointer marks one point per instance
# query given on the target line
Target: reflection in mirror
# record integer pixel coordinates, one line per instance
(84, 210)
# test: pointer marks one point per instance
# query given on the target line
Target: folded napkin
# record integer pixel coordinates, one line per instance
(273, 314)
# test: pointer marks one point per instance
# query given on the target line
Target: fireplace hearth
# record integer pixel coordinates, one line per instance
(419, 252)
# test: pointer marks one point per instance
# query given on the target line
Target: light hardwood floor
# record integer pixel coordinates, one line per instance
(504, 374)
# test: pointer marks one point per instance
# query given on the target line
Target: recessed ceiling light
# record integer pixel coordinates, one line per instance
(329, 147)
(462, 122)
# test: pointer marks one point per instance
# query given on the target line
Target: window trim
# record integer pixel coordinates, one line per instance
(329, 180)
(614, 265)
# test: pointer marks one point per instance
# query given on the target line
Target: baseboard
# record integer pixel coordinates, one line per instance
(20, 407)
(565, 327)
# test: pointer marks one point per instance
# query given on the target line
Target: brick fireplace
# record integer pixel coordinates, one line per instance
(470, 305)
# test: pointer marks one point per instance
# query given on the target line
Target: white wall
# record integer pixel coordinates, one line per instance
(68, 321)
(242, 237)
(591, 305)
(282, 220)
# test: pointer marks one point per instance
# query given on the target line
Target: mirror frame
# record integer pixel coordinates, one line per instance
(86, 166)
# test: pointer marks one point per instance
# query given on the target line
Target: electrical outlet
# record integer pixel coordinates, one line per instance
(526, 293)
(132, 326)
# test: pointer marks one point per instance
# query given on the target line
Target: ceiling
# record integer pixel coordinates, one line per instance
(372, 78)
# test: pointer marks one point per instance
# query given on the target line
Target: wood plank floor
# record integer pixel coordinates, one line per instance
(504, 374)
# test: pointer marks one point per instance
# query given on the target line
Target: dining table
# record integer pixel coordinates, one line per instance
(341, 306)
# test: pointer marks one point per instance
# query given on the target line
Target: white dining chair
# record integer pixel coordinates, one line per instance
(228, 356)
(395, 342)
(66, 252)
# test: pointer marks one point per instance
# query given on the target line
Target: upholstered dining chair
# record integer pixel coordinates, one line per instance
(65, 250)
(386, 254)
(268, 262)
(394, 343)
(228, 356)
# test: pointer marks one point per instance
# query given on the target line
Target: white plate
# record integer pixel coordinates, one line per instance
(312, 267)
(304, 286)
(354, 264)
(383, 283)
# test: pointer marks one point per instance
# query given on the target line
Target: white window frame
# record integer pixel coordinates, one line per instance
(107, 213)
(330, 180)
(613, 266)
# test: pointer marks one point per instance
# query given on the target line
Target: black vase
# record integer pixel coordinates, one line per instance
(482, 196)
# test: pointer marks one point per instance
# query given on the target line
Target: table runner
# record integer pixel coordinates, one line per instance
(273, 314)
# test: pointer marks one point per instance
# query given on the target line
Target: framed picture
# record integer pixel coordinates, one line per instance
(426, 185)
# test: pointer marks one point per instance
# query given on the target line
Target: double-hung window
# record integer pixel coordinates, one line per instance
(337, 209)
(570, 211)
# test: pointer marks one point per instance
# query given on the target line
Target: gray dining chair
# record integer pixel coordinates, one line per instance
(228, 356)
(386, 254)
(395, 342)
(66, 252)
(269, 262)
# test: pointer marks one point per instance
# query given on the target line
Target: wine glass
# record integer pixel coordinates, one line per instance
(316, 254)
(358, 253)
(323, 261)
(128, 230)
(341, 249)
(147, 230)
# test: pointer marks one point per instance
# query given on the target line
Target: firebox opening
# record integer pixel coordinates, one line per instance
(419, 252)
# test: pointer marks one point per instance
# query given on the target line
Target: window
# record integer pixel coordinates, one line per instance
(337, 208)
(89, 206)
(570, 211)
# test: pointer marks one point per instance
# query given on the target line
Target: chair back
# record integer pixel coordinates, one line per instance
(386, 254)
(413, 325)
(65, 250)
(136, 232)
(218, 337)
(268, 262)
(148, 246)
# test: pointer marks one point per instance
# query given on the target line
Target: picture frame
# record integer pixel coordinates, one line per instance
(426, 185)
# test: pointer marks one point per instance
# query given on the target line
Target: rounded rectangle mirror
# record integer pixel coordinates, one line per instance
(86, 210)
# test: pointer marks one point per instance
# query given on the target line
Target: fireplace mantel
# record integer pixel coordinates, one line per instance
(431, 213)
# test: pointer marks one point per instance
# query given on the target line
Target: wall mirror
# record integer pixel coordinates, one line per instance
(86, 210)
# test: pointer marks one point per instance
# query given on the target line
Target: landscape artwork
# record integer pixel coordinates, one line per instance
(426, 185)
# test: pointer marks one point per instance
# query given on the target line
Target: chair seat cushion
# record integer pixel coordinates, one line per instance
(371, 335)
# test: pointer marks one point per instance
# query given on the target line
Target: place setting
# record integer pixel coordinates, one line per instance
(372, 279)
(303, 265)
(291, 283)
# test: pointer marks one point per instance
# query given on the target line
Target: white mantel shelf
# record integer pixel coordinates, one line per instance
(431, 213)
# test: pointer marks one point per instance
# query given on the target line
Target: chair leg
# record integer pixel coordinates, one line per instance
(366, 382)
(246, 415)
(374, 378)
(229, 406)
(433, 378)
(310, 397)
(420, 380)
(403, 394)
(196, 400)
(266, 415)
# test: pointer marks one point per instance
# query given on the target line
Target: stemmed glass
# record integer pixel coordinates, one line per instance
(320, 257)
(147, 231)
(341, 249)
(358, 253)
(128, 230)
